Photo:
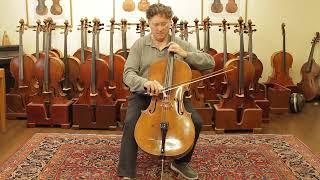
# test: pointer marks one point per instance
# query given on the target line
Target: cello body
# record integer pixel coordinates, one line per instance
(280, 75)
(181, 133)
(237, 109)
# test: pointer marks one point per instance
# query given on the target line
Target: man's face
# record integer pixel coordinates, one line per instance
(160, 26)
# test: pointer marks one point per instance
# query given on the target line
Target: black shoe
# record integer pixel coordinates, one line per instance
(185, 170)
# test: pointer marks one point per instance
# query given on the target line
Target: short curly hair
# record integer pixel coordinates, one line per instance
(159, 9)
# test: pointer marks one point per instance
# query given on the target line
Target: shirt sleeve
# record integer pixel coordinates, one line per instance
(131, 69)
(199, 60)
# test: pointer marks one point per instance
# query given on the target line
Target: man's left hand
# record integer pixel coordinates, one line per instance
(174, 47)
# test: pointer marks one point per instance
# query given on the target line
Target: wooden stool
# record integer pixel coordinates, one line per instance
(2, 101)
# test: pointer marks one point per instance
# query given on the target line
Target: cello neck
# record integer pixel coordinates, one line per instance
(111, 58)
(93, 62)
(38, 29)
(240, 27)
(85, 33)
(225, 47)
(186, 31)
(283, 48)
(65, 57)
(310, 59)
(124, 37)
(169, 69)
(205, 34)
(196, 21)
(241, 70)
(98, 44)
(46, 62)
(20, 57)
(82, 31)
(250, 47)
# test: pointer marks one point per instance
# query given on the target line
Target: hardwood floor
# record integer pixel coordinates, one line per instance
(305, 126)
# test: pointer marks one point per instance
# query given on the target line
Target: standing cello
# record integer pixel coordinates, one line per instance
(310, 71)
(281, 63)
(237, 109)
(92, 104)
(25, 86)
(237, 93)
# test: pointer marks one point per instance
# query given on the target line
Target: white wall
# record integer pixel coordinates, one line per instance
(301, 23)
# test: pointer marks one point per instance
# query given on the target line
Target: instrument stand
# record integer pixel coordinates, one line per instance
(232, 119)
(261, 99)
(279, 98)
(16, 107)
(53, 114)
(100, 116)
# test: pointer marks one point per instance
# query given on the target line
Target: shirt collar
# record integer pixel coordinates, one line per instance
(149, 42)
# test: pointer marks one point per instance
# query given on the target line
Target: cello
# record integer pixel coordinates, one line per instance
(281, 63)
(237, 94)
(165, 128)
(25, 85)
(94, 74)
(71, 80)
(310, 71)
(237, 109)
(49, 72)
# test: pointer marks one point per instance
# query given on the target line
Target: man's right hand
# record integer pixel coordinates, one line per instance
(153, 88)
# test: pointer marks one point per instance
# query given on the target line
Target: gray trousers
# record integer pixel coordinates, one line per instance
(129, 147)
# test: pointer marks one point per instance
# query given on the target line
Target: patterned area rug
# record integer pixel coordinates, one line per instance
(75, 156)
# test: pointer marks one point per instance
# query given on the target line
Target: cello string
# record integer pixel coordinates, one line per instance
(216, 73)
